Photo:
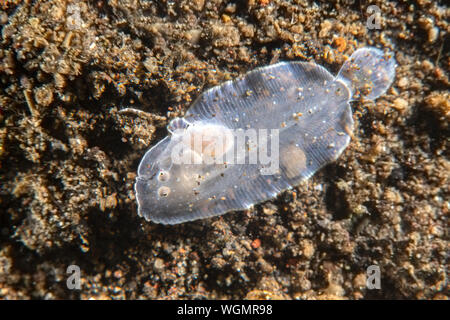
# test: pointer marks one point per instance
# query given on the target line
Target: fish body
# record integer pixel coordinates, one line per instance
(247, 140)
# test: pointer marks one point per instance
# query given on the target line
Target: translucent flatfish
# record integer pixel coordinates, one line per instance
(247, 140)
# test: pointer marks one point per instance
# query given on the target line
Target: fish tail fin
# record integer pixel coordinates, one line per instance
(368, 72)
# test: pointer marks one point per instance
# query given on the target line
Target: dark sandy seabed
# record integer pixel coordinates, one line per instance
(69, 159)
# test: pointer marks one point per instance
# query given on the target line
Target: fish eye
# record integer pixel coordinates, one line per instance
(163, 192)
(163, 176)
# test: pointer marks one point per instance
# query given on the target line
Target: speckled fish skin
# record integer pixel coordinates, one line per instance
(309, 107)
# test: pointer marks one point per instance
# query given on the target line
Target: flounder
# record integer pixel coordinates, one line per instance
(248, 139)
